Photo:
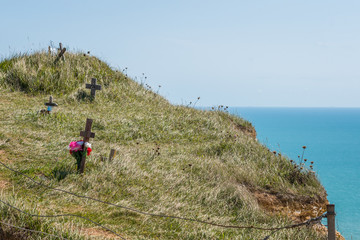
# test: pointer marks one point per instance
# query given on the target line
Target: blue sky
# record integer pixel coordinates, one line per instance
(237, 53)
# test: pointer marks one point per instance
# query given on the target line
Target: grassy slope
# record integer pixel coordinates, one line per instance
(172, 159)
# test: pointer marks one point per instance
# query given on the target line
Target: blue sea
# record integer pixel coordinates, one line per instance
(332, 138)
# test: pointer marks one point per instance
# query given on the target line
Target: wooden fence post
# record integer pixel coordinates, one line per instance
(112, 154)
(331, 221)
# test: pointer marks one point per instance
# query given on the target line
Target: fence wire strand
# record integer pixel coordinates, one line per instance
(61, 215)
(306, 223)
(30, 230)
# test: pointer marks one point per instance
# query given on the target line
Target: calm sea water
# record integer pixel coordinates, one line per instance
(332, 137)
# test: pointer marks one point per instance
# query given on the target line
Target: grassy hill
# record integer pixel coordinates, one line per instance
(172, 160)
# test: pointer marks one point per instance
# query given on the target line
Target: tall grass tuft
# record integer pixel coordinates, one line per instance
(37, 73)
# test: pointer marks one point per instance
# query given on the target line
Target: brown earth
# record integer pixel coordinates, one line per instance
(99, 233)
(250, 131)
(247, 130)
(298, 209)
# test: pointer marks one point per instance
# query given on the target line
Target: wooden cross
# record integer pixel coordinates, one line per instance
(61, 49)
(93, 87)
(87, 134)
(61, 54)
(50, 104)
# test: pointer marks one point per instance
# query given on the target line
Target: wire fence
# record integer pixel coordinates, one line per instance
(306, 223)
(61, 215)
(30, 230)
(273, 229)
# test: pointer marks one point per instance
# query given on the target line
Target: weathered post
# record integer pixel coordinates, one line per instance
(87, 134)
(50, 104)
(331, 221)
(93, 87)
(62, 51)
(112, 154)
(61, 48)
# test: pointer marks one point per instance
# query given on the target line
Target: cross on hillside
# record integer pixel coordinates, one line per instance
(61, 50)
(61, 54)
(93, 87)
(50, 104)
(87, 134)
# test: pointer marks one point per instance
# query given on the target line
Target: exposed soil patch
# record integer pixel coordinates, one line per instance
(250, 131)
(3, 184)
(99, 233)
(296, 208)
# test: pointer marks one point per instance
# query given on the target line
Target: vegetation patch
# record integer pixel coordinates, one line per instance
(171, 160)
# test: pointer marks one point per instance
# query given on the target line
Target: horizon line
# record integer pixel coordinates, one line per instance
(272, 107)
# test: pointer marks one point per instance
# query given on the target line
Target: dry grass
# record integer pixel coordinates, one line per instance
(171, 159)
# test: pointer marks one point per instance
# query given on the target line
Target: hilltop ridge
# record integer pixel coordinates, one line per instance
(171, 159)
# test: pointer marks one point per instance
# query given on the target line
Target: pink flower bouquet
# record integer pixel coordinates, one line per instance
(78, 149)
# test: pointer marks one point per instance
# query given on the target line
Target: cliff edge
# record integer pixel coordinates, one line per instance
(171, 160)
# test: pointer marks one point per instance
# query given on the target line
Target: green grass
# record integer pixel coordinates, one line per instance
(171, 159)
